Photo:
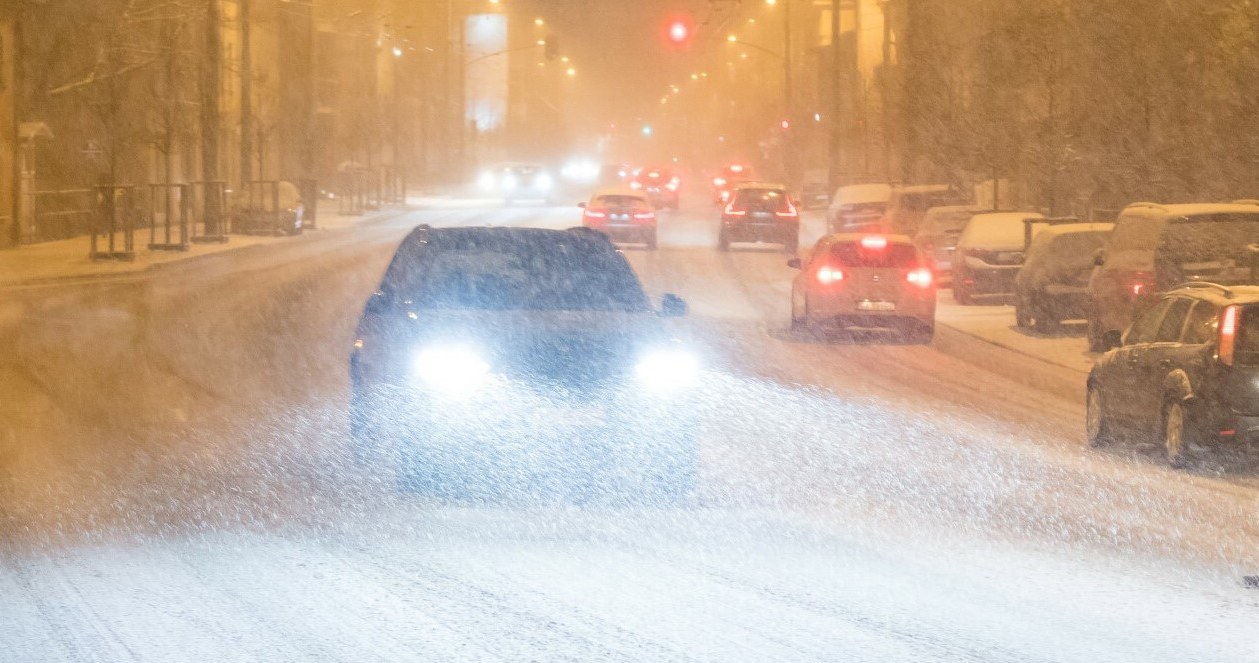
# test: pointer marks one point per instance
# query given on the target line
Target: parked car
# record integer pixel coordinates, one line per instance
(1053, 284)
(518, 181)
(906, 205)
(990, 252)
(1185, 373)
(270, 208)
(865, 281)
(760, 212)
(938, 233)
(623, 214)
(1155, 247)
(857, 208)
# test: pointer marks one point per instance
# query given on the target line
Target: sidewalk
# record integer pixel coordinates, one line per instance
(68, 259)
(995, 324)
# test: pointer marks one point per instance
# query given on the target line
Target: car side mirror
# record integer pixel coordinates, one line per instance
(1112, 340)
(672, 306)
(1099, 257)
(582, 205)
(795, 263)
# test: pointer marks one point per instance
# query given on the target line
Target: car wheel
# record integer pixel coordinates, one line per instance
(1095, 338)
(723, 241)
(651, 240)
(1177, 435)
(792, 244)
(1043, 319)
(1022, 317)
(961, 295)
(1097, 425)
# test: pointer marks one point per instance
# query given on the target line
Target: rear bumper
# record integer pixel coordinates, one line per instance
(987, 279)
(844, 310)
(751, 231)
(627, 233)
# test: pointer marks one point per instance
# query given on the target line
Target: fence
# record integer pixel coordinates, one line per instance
(176, 201)
(115, 216)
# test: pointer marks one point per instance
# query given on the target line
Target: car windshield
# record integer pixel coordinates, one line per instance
(534, 276)
(544, 330)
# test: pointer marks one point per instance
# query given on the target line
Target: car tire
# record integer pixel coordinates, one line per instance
(1022, 317)
(1043, 320)
(1095, 336)
(961, 295)
(920, 334)
(1098, 428)
(792, 245)
(723, 241)
(1177, 430)
(651, 240)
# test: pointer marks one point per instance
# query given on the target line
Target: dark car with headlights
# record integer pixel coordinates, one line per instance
(493, 361)
(1185, 373)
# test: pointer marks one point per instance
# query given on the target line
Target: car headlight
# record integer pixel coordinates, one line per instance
(486, 181)
(453, 368)
(667, 368)
(510, 182)
(544, 182)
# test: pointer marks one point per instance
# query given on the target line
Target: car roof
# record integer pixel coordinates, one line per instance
(525, 236)
(857, 237)
(1221, 295)
(1072, 228)
(759, 185)
(949, 209)
(618, 191)
(1189, 209)
(922, 188)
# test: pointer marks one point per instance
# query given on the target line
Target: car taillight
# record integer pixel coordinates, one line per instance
(645, 216)
(594, 214)
(789, 213)
(719, 181)
(1140, 284)
(828, 275)
(1228, 335)
(673, 184)
(921, 277)
(731, 210)
(874, 242)
(636, 185)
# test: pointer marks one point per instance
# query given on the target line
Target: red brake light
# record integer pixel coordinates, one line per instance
(719, 181)
(789, 213)
(827, 275)
(594, 214)
(921, 277)
(644, 216)
(636, 185)
(731, 211)
(874, 242)
(1228, 335)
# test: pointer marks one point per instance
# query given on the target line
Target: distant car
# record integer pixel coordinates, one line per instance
(1155, 247)
(515, 182)
(623, 214)
(906, 205)
(938, 234)
(1052, 286)
(504, 361)
(989, 255)
(730, 177)
(1186, 373)
(865, 281)
(760, 212)
(615, 174)
(661, 186)
(814, 195)
(858, 208)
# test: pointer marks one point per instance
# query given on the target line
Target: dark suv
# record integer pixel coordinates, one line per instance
(1185, 372)
(760, 212)
(501, 361)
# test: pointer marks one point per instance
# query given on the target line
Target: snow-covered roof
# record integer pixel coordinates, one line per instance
(922, 188)
(1190, 209)
(997, 229)
(1068, 228)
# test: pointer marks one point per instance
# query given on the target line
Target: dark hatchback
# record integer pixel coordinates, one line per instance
(506, 361)
(1186, 373)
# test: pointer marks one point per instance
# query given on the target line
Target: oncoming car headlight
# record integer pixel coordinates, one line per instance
(544, 182)
(487, 181)
(451, 368)
(667, 368)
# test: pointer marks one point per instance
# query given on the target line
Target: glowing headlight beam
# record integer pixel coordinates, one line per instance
(665, 369)
(454, 369)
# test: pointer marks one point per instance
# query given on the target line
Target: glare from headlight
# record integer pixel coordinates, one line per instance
(452, 369)
(666, 369)
(544, 182)
(486, 181)
(510, 182)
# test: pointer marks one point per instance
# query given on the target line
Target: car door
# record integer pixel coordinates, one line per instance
(1157, 359)
(1121, 391)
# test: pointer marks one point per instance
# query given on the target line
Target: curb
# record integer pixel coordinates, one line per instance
(1011, 348)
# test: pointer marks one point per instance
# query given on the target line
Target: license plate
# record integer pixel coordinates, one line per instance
(620, 217)
(760, 215)
(876, 306)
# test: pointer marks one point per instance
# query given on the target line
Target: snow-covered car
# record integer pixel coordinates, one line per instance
(858, 208)
(493, 361)
(938, 234)
(623, 214)
(515, 182)
(989, 255)
(1052, 286)
(865, 281)
(906, 205)
(1156, 247)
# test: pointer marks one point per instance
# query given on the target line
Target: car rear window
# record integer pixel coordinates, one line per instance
(892, 256)
(632, 202)
(767, 200)
(500, 276)
(1218, 247)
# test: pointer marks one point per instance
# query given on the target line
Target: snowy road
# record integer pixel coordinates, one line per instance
(174, 485)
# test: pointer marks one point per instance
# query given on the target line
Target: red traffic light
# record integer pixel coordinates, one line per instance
(679, 30)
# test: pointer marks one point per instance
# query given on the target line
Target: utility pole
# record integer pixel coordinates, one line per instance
(246, 94)
(837, 100)
(212, 66)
